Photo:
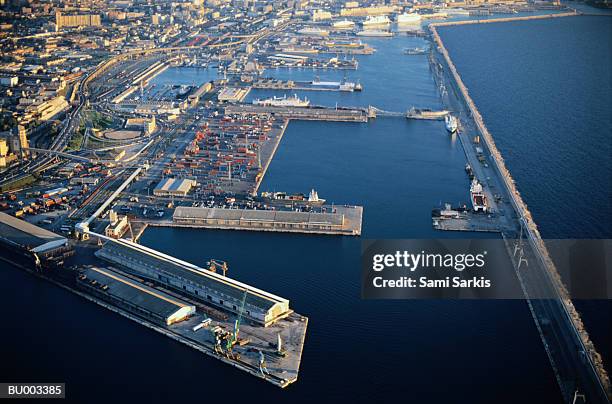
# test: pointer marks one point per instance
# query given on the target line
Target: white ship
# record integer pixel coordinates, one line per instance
(343, 85)
(374, 32)
(344, 24)
(283, 102)
(408, 18)
(479, 199)
(379, 20)
(313, 198)
(451, 122)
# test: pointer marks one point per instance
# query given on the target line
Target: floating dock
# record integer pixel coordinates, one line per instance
(303, 113)
(336, 220)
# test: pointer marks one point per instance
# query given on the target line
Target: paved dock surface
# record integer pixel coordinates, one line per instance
(335, 220)
(303, 113)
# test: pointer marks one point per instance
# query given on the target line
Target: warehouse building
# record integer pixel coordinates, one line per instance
(214, 289)
(133, 296)
(173, 187)
(258, 219)
(27, 239)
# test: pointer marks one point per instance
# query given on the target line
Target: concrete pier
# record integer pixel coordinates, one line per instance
(303, 114)
(575, 361)
(337, 220)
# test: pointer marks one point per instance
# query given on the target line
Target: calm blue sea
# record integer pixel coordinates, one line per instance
(356, 351)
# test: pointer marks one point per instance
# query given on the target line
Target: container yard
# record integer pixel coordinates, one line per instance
(229, 154)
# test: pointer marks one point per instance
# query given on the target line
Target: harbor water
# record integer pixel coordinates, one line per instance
(356, 350)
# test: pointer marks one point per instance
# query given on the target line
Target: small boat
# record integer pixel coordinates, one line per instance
(415, 51)
(451, 123)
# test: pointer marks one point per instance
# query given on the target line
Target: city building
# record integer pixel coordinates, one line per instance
(76, 20)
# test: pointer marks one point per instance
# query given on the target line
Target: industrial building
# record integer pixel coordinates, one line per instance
(133, 296)
(262, 219)
(118, 225)
(214, 289)
(76, 20)
(43, 246)
(173, 187)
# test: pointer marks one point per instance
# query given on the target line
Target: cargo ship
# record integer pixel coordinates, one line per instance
(451, 123)
(415, 51)
(425, 113)
(408, 18)
(375, 33)
(479, 199)
(311, 199)
(283, 102)
(344, 24)
(343, 85)
(377, 21)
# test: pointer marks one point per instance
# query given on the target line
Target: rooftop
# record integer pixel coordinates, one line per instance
(187, 212)
(136, 293)
(117, 249)
(26, 235)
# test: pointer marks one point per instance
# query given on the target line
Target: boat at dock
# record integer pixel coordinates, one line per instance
(408, 18)
(375, 33)
(376, 21)
(469, 171)
(415, 51)
(452, 123)
(479, 199)
(425, 113)
(311, 199)
(294, 101)
(343, 85)
(343, 24)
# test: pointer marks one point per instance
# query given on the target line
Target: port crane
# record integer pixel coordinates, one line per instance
(214, 263)
(234, 337)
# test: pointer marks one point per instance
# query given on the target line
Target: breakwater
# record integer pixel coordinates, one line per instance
(550, 278)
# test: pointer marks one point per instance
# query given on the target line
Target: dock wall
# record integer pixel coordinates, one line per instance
(302, 113)
(526, 219)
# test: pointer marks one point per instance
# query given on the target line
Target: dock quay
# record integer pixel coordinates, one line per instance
(248, 328)
(336, 220)
(574, 359)
(302, 113)
(468, 221)
(272, 84)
